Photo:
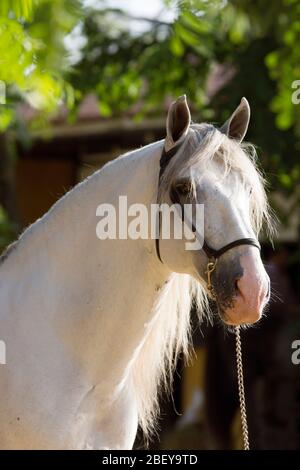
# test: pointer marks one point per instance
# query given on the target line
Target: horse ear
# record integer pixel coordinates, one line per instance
(236, 126)
(178, 121)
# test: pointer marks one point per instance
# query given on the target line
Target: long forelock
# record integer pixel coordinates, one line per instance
(205, 146)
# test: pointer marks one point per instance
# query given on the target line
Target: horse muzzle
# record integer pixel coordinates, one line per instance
(241, 288)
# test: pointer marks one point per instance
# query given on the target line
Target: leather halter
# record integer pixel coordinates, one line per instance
(212, 254)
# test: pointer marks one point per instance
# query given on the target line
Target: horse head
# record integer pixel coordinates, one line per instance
(209, 166)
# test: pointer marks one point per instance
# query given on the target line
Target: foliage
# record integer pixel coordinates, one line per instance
(137, 70)
(33, 54)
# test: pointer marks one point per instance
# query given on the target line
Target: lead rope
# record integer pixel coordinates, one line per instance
(239, 363)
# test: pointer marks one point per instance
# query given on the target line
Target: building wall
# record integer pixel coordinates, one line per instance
(40, 183)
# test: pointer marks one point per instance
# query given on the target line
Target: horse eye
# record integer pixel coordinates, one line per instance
(183, 187)
(250, 191)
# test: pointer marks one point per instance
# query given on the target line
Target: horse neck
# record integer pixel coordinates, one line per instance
(102, 291)
(132, 267)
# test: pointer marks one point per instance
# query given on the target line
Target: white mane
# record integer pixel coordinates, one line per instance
(170, 330)
(168, 336)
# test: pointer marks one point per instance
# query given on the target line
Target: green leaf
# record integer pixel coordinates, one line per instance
(104, 109)
(199, 25)
(187, 36)
(176, 46)
(271, 60)
(285, 180)
(20, 8)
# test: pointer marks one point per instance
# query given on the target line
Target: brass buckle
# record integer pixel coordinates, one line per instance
(211, 266)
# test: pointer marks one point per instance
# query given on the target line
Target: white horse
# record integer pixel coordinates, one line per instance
(93, 328)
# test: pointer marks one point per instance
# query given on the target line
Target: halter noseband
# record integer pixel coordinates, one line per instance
(212, 254)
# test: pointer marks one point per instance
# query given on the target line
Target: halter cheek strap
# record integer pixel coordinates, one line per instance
(165, 158)
(212, 254)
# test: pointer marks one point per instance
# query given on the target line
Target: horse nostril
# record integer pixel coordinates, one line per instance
(268, 293)
(236, 287)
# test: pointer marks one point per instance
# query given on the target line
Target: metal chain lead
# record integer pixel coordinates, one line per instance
(239, 362)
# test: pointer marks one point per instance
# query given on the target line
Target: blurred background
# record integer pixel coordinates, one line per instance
(83, 81)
